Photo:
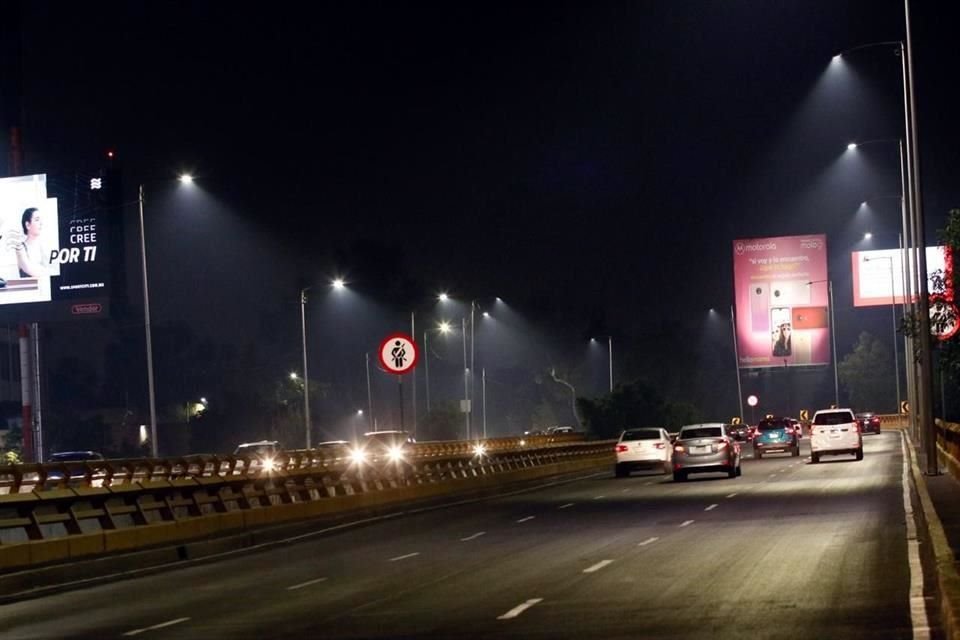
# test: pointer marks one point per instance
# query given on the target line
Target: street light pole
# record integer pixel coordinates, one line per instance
(833, 339)
(306, 375)
(146, 324)
(610, 358)
(466, 371)
(426, 366)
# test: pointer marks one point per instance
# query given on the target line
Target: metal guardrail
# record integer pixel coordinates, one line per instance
(118, 505)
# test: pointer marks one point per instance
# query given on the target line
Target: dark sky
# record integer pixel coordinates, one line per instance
(589, 162)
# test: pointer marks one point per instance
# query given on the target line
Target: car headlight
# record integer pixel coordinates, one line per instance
(395, 454)
(269, 464)
(479, 450)
(358, 456)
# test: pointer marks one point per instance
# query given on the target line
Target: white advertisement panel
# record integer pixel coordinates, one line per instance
(878, 276)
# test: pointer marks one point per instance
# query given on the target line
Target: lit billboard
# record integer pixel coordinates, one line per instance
(878, 276)
(782, 294)
(51, 264)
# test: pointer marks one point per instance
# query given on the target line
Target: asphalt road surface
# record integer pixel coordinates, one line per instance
(788, 550)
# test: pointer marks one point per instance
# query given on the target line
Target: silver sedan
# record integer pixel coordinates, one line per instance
(705, 448)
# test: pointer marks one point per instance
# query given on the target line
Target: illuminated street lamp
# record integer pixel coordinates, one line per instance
(184, 179)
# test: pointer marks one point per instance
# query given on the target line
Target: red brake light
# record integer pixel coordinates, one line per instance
(621, 448)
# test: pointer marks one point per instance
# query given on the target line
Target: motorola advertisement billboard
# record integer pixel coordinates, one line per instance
(782, 294)
(53, 264)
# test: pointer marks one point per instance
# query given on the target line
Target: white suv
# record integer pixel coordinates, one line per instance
(835, 432)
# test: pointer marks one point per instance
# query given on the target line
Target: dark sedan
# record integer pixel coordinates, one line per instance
(868, 422)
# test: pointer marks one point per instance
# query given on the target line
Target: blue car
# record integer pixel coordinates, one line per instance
(776, 435)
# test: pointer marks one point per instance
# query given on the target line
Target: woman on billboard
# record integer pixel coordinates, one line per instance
(32, 259)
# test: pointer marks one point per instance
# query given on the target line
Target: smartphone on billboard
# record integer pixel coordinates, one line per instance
(759, 307)
(789, 293)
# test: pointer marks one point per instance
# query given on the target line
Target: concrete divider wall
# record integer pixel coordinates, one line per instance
(46, 526)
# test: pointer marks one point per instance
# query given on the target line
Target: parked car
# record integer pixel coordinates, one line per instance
(266, 454)
(868, 422)
(776, 435)
(835, 432)
(704, 448)
(647, 448)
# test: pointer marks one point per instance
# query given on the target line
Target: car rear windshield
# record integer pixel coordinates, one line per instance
(701, 432)
(834, 417)
(772, 425)
(641, 434)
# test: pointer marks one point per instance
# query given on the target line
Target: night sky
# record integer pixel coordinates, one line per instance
(590, 163)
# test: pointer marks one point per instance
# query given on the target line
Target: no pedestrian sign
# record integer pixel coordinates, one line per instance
(398, 354)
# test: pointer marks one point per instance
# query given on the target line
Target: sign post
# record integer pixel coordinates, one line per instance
(753, 401)
(399, 355)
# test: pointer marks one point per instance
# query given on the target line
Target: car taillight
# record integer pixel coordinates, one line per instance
(660, 445)
(621, 448)
(875, 421)
(721, 445)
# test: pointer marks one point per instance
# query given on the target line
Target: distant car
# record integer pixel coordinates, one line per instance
(266, 454)
(74, 470)
(375, 446)
(647, 448)
(797, 426)
(776, 435)
(739, 432)
(868, 422)
(335, 449)
(705, 448)
(835, 432)
(553, 431)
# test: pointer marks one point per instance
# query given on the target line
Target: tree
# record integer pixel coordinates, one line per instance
(945, 288)
(635, 404)
(867, 374)
(444, 422)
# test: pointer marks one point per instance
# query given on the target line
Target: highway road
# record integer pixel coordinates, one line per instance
(788, 550)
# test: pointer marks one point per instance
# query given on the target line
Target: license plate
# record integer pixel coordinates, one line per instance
(700, 449)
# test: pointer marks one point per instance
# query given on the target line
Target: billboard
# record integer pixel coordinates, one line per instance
(874, 284)
(782, 294)
(51, 265)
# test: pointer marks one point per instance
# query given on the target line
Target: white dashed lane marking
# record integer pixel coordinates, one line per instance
(409, 555)
(731, 495)
(598, 566)
(305, 584)
(687, 523)
(473, 537)
(711, 507)
(565, 506)
(513, 613)
(168, 623)
(525, 519)
(647, 541)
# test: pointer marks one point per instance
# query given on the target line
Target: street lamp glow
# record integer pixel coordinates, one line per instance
(359, 412)
(338, 284)
(486, 314)
(186, 178)
(203, 400)
(293, 375)
(851, 146)
(444, 327)
(443, 297)
(867, 235)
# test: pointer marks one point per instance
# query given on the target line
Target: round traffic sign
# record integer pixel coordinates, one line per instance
(753, 400)
(398, 353)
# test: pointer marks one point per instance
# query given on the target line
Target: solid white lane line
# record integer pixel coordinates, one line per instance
(711, 507)
(473, 537)
(918, 609)
(598, 566)
(305, 584)
(565, 506)
(513, 613)
(731, 495)
(168, 623)
(648, 541)
(687, 523)
(409, 555)
(525, 519)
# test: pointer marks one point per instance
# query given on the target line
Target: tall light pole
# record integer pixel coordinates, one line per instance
(466, 373)
(306, 375)
(147, 331)
(833, 339)
(893, 313)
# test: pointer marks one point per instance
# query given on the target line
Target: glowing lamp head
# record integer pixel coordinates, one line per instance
(443, 297)
(186, 178)
(851, 146)
(338, 284)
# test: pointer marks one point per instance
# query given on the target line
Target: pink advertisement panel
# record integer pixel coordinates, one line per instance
(782, 294)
